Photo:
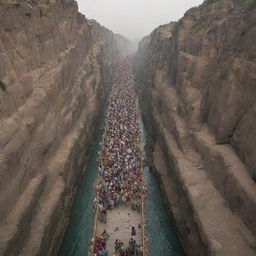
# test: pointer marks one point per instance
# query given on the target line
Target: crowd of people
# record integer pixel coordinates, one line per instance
(100, 245)
(120, 159)
(134, 249)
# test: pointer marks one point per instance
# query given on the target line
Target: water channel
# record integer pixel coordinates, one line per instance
(160, 230)
(161, 234)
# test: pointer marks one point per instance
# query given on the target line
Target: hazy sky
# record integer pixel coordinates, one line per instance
(135, 18)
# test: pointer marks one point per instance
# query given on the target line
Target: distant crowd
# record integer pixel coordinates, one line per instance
(120, 159)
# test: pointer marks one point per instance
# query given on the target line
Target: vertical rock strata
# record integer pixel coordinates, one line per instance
(125, 47)
(196, 83)
(55, 73)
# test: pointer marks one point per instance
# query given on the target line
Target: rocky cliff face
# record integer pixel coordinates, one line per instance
(55, 72)
(196, 82)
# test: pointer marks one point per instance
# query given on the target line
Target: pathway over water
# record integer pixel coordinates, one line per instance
(120, 187)
(118, 226)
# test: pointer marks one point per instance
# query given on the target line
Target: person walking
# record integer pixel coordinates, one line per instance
(133, 232)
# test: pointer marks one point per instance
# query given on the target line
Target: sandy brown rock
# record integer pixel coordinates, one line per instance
(57, 68)
(195, 79)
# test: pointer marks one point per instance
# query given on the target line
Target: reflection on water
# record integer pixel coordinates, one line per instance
(160, 231)
(162, 237)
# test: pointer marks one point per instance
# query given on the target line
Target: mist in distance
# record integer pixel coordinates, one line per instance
(135, 19)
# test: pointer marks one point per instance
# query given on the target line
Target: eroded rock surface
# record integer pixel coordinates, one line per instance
(56, 70)
(196, 82)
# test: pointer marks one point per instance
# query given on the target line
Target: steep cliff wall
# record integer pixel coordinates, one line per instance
(125, 47)
(196, 83)
(56, 68)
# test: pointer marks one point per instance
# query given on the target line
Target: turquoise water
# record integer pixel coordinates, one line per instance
(76, 241)
(160, 230)
(161, 233)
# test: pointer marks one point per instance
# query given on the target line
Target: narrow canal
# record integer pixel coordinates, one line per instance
(161, 232)
(162, 238)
